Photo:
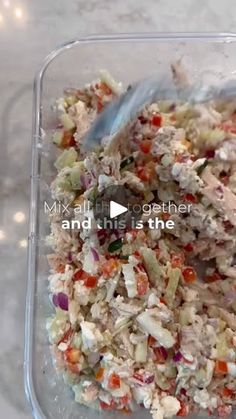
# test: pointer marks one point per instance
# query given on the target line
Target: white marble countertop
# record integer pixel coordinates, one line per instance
(28, 31)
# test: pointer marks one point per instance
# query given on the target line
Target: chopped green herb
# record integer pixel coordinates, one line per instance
(126, 162)
(114, 246)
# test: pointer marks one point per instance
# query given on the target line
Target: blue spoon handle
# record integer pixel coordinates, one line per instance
(125, 108)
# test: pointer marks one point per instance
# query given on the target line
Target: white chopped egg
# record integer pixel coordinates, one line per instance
(91, 336)
(82, 293)
(143, 394)
(171, 406)
(204, 400)
(129, 276)
(152, 326)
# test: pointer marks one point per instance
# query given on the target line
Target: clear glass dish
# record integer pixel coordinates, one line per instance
(128, 58)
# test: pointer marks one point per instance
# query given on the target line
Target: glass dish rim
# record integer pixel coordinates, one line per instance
(35, 165)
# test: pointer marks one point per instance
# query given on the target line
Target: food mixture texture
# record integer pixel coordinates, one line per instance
(147, 318)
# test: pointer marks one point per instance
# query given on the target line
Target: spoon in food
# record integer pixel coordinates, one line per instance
(124, 109)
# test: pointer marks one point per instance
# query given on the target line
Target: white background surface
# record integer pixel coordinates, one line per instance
(28, 31)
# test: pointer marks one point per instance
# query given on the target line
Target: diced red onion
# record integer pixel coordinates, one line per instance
(85, 181)
(69, 257)
(63, 301)
(95, 254)
(183, 391)
(149, 379)
(144, 378)
(102, 232)
(177, 356)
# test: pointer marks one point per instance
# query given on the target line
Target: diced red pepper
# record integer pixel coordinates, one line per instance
(177, 260)
(213, 277)
(151, 341)
(78, 275)
(67, 336)
(90, 281)
(99, 374)
(104, 406)
(106, 90)
(156, 120)
(189, 275)
(184, 410)
(111, 406)
(61, 269)
(190, 198)
(114, 381)
(68, 139)
(162, 300)
(188, 247)
(228, 392)
(145, 146)
(109, 267)
(221, 367)
(160, 355)
(147, 172)
(72, 355)
(144, 174)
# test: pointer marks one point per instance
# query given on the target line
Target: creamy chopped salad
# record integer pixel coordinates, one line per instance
(147, 318)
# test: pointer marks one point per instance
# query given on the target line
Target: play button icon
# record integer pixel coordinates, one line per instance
(113, 207)
(116, 209)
